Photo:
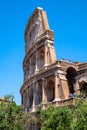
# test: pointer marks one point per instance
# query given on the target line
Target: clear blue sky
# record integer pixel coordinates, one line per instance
(68, 19)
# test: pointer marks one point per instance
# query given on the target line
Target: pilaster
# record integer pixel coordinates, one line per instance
(45, 57)
(34, 96)
(36, 62)
(56, 87)
(30, 67)
(77, 90)
(44, 99)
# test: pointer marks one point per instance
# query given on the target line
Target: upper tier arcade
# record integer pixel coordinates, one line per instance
(37, 27)
(39, 40)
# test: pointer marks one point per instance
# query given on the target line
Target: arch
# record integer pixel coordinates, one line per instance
(38, 94)
(50, 91)
(83, 86)
(33, 62)
(41, 53)
(25, 98)
(70, 75)
(40, 59)
(30, 97)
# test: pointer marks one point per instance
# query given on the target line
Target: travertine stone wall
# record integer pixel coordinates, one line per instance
(46, 79)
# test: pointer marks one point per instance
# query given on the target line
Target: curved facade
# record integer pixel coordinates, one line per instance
(47, 80)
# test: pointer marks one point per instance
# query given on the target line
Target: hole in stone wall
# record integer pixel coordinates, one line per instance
(50, 91)
(39, 94)
(71, 74)
(40, 59)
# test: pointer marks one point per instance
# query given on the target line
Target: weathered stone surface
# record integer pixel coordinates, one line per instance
(46, 79)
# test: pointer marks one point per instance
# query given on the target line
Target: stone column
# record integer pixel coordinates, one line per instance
(24, 72)
(44, 99)
(30, 67)
(45, 57)
(36, 63)
(34, 96)
(77, 88)
(36, 99)
(26, 69)
(56, 86)
(22, 98)
(44, 96)
(27, 98)
(64, 86)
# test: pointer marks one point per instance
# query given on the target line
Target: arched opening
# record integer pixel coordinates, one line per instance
(30, 97)
(40, 59)
(22, 99)
(50, 91)
(83, 86)
(71, 74)
(25, 98)
(27, 67)
(39, 94)
(33, 62)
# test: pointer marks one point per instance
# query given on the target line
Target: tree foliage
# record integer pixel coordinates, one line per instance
(65, 118)
(12, 116)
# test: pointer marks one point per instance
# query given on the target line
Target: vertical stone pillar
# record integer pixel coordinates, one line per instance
(64, 86)
(24, 73)
(34, 96)
(26, 70)
(30, 67)
(77, 88)
(22, 98)
(36, 63)
(44, 99)
(56, 86)
(48, 52)
(45, 57)
(27, 98)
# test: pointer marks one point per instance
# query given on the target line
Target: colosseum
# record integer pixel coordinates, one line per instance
(46, 79)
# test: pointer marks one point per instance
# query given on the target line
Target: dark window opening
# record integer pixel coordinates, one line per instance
(71, 74)
(50, 91)
(83, 87)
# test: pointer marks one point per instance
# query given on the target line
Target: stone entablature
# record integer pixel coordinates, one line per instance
(82, 65)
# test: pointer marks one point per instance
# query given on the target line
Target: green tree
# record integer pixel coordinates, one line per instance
(80, 115)
(65, 117)
(56, 118)
(12, 117)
